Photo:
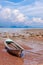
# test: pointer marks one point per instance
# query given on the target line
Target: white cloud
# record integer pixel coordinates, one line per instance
(22, 13)
(16, 12)
(35, 9)
(5, 13)
(40, 20)
(0, 7)
(14, 15)
(19, 16)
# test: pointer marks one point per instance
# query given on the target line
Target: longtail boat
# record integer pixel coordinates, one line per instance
(13, 47)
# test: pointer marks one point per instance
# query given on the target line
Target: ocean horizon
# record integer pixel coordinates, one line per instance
(15, 29)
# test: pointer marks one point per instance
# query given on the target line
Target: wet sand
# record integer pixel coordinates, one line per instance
(33, 53)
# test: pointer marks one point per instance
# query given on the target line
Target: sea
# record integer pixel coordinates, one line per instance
(15, 29)
(11, 29)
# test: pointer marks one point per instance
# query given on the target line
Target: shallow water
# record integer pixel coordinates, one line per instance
(11, 29)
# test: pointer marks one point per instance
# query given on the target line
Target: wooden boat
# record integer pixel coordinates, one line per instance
(13, 47)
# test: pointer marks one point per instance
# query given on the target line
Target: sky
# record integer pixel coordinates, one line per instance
(21, 13)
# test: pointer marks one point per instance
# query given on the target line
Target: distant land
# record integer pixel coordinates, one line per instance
(18, 25)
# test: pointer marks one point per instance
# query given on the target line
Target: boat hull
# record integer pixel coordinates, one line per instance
(15, 52)
(12, 49)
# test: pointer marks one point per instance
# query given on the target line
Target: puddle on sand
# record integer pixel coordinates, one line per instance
(26, 62)
(30, 58)
(40, 64)
(4, 50)
(29, 62)
(33, 63)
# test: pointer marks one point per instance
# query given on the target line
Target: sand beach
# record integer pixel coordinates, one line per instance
(31, 40)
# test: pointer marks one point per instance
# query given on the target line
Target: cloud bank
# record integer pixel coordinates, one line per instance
(13, 15)
(26, 12)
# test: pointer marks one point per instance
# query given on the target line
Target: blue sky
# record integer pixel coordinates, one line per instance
(16, 1)
(21, 13)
